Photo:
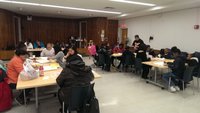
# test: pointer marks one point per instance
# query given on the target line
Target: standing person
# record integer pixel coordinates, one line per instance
(140, 50)
(141, 53)
(29, 44)
(137, 43)
(14, 67)
(178, 68)
(38, 44)
(76, 73)
(48, 51)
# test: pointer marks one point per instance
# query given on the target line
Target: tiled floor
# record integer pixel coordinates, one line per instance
(127, 93)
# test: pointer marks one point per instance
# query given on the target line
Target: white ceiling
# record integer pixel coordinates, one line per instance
(131, 9)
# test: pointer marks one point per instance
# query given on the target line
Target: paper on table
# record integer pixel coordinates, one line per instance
(159, 63)
(49, 68)
(42, 61)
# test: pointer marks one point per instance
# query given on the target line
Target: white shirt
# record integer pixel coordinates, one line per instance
(47, 53)
(29, 46)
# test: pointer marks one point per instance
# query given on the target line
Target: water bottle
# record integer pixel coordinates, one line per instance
(41, 71)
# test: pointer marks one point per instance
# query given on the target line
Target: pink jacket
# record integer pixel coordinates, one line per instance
(92, 50)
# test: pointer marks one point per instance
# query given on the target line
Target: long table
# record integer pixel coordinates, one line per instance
(35, 50)
(157, 63)
(48, 79)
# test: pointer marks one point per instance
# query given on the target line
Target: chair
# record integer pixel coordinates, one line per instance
(101, 61)
(78, 99)
(198, 76)
(187, 77)
(128, 60)
(138, 65)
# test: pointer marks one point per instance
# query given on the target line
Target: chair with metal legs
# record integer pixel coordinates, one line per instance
(78, 99)
(198, 76)
(187, 77)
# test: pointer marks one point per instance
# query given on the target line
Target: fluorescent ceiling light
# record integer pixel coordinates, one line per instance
(123, 15)
(134, 2)
(156, 8)
(59, 7)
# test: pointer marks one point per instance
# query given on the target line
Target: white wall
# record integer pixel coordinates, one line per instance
(169, 29)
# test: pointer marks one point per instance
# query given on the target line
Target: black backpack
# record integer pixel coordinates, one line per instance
(93, 106)
(93, 103)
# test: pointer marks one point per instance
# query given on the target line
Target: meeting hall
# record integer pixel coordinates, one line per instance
(99, 56)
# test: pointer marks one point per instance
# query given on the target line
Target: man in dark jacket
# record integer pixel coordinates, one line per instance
(76, 73)
(178, 68)
(137, 43)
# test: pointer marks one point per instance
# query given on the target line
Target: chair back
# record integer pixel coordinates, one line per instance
(187, 77)
(138, 64)
(79, 97)
(101, 59)
(128, 60)
(198, 75)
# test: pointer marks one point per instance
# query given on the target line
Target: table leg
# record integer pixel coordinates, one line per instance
(155, 76)
(154, 82)
(36, 98)
(24, 91)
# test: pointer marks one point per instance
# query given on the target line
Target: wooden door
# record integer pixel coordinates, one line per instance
(124, 36)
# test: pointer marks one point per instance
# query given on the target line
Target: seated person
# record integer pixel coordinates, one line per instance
(162, 53)
(14, 67)
(48, 52)
(38, 44)
(21, 46)
(166, 53)
(178, 68)
(76, 73)
(196, 56)
(28, 44)
(92, 49)
(117, 49)
(193, 60)
(127, 54)
(59, 56)
(104, 50)
(150, 52)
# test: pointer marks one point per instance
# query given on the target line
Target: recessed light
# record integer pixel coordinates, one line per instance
(156, 8)
(134, 2)
(59, 7)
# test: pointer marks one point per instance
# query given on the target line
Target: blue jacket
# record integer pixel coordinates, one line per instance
(35, 45)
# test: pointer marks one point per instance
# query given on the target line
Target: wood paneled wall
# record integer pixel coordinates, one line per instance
(95, 27)
(112, 31)
(6, 29)
(54, 29)
(49, 29)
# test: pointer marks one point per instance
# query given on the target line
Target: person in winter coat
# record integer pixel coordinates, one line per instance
(75, 73)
